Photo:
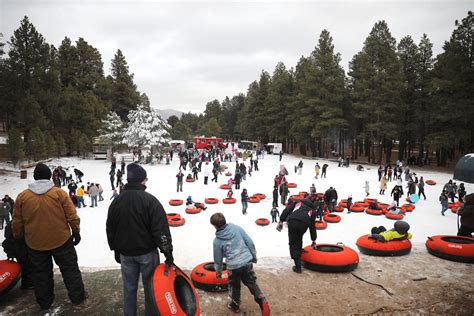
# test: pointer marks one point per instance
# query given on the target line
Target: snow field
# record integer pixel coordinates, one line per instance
(193, 242)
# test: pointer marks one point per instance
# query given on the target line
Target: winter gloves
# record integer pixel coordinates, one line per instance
(313, 244)
(117, 256)
(169, 258)
(76, 238)
(280, 226)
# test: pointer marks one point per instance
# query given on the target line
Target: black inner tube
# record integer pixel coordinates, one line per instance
(327, 248)
(175, 219)
(332, 215)
(185, 295)
(210, 267)
(457, 240)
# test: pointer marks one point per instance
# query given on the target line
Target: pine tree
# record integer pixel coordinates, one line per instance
(180, 131)
(36, 145)
(60, 145)
(145, 128)
(16, 146)
(376, 84)
(125, 96)
(50, 145)
(112, 130)
(211, 128)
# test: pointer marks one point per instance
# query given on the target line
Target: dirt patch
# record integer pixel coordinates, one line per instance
(414, 284)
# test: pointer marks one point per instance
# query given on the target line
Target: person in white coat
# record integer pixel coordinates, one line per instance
(206, 172)
(366, 187)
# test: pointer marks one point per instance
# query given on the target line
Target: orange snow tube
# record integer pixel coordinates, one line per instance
(176, 202)
(10, 274)
(332, 218)
(211, 201)
(292, 185)
(262, 222)
(260, 196)
(367, 200)
(175, 222)
(357, 209)
(339, 209)
(190, 179)
(229, 201)
(371, 211)
(173, 293)
(172, 215)
(454, 248)
(253, 199)
(394, 216)
(296, 197)
(329, 258)
(364, 204)
(228, 174)
(195, 210)
(226, 186)
(407, 207)
(430, 182)
(204, 278)
(383, 206)
(343, 203)
(374, 247)
(320, 225)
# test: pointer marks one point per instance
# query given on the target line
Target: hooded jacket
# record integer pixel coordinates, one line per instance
(44, 215)
(467, 214)
(233, 243)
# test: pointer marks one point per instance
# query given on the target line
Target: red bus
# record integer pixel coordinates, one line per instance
(203, 142)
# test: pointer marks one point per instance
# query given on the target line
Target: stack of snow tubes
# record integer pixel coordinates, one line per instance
(175, 220)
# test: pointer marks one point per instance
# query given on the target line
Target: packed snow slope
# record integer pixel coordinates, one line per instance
(193, 242)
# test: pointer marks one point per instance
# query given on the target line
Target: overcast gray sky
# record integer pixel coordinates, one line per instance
(186, 53)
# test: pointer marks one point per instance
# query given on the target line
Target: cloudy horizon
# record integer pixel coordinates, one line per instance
(185, 54)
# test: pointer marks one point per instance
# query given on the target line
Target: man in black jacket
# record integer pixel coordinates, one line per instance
(136, 226)
(300, 216)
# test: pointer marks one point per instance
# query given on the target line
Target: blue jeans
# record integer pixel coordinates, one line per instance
(93, 200)
(244, 207)
(131, 268)
(80, 200)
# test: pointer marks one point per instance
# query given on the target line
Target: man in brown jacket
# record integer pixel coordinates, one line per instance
(45, 216)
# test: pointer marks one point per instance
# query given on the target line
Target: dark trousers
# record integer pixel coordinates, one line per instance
(42, 271)
(112, 182)
(179, 187)
(465, 231)
(323, 174)
(420, 193)
(296, 230)
(237, 185)
(205, 179)
(274, 218)
(247, 276)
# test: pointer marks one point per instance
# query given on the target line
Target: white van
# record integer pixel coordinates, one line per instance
(274, 148)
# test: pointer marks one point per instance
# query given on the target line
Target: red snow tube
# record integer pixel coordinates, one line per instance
(226, 186)
(260, 196)
(407, 207)
(229, 201)
(371, 211)
(228, 174)
(189, 179)
(338, 209)
(211, 201)
(454, 205)
(332, 218)
(173, 292)
(204, 278)
(393, 216)
(172, 215)
(320, 225)
(374, 247)
(357, 209)
(253, 199)
(454, 248)
(303, 193)
(383, 205)
(262, 222)
(343, 204)
(10, 274)
(367, 200)
(364, 204)
(320, 195)
(176, 202)
(175, 222)
(430, 182)
(292, 185)
(329, 258)
(193, 210)
(296, 197)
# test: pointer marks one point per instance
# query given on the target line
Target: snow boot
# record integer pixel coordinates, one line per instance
(233, 306)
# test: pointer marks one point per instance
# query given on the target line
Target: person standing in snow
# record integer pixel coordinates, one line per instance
(136, 226)
(397, 192)
(93, 193)
(323, 174)
(380, 172)
(421, 188)
(317, 168)
(45, 217)
(383, 185)
(274, 213)
(206, 172)
(366, 188)
(461, 192)
(122, 166)
(467, 217)
(443, 200)
(80, 197)
(300, 216)
(280, 154)
(312, 189)
(300, 167)
(233, 244)
(349, 203)
(284, 192)
(244, 198)
(112, 178)
(275, 196)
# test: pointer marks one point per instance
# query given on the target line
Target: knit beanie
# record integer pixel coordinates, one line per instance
(42, 172)
(135, 173)
(401, 227)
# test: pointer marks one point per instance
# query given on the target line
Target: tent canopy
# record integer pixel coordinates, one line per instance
(464, 170)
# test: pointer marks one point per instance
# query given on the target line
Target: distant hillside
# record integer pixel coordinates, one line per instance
(165, 114)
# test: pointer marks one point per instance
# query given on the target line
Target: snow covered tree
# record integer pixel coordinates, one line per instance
(112, 130)
(145, 128)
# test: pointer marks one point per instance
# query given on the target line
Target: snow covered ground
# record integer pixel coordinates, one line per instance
(193, 241)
